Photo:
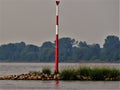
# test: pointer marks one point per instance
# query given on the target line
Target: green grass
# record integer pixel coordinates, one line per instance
(87, 73)
(46, 71)
(68, 74)
(99, 73)
(84, 71)
(104, 74)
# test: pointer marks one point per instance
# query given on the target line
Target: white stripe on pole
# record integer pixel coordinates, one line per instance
(57, 29)
(57, 10)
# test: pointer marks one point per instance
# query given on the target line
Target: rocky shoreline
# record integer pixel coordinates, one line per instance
(44, 77)
(31, 77)
(82, 73)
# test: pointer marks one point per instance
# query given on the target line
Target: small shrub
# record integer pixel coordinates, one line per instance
(97, 74)
(87, 73)
(115, 74)
(46, 71)
(103, 73)
(84, 71)
(68, 74)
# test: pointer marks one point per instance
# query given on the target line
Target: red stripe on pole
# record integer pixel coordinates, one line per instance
(56, 55)
(56, 20)
(57, 2)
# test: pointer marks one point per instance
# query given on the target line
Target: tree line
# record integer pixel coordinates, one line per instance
(70, 50)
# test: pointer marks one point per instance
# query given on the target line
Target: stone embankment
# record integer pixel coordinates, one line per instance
(82, 73)
(31, 77)
(44, 77)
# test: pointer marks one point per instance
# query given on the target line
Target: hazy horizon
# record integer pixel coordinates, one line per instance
(33, 21)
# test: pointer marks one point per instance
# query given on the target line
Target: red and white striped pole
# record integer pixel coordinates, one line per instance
(57, 36)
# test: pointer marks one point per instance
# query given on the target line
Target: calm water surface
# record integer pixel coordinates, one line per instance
(59, 85)
(18, 68)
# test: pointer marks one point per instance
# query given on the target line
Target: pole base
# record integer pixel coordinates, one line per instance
(56, 72)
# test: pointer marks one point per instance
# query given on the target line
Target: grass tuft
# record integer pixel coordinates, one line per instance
(46, 71)
(68, 74)
(87, 73)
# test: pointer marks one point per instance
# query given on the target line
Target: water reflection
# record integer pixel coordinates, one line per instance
(56, 84)
(59, 85)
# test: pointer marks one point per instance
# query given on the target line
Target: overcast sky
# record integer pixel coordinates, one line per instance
(33, 21)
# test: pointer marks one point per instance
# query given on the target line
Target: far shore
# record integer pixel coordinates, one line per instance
(60, 62)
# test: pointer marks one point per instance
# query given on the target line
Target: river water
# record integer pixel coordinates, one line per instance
(18, 68)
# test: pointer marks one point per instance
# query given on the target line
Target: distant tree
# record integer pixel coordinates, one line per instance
(30, 52)
(111, 49)
(65, 48)
(95, 51)
(88, 52)
(82, 44)
(48, 44)
(70, 50)
(11, 51)
(47, 51)
(111, 43)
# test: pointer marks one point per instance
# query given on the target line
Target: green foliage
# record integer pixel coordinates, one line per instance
(98, 74)
(114, 73)
(111, 49)
(111, 43)
(84, 71)
(103, 73)
(87, 73)
(46, 71)
(68, 74)
(47, 44)
(65, 48)
(70, 50)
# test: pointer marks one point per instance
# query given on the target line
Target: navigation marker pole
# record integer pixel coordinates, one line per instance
(57, 36)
